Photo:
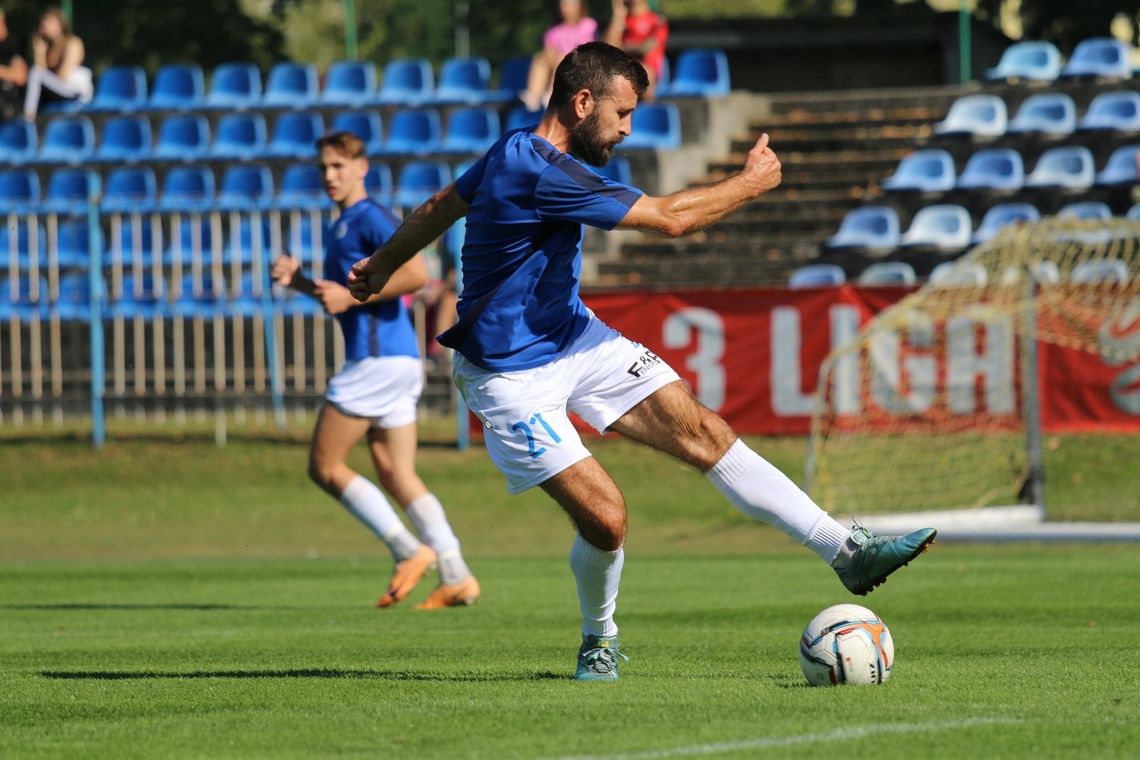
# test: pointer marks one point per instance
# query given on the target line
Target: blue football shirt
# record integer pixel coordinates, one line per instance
(522, 256)
(375, 329)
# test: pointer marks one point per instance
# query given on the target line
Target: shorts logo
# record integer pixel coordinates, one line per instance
(643, 363)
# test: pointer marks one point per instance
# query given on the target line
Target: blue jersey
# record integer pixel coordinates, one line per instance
(375, 329)
(522, 256)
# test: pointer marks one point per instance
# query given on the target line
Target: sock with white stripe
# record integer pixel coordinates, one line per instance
(430, 522)
(597, 573)
(367, 503)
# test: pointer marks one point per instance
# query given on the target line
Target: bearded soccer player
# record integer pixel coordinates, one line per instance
(528, 350)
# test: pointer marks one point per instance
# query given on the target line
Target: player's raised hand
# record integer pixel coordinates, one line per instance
(284, 268)
(366, 278)
(762, 166)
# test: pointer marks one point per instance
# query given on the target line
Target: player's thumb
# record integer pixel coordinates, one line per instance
(762, 143)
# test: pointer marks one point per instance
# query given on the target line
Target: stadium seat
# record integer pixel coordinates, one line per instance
(19, 300)
(413, 132)
(67, 141)
(364, 124)
(246, 187)
(958, 274)
(349, 83)
(513, 76)
(241, 246)
(1028, 60)
(302, 189)
(817, 276)
(419, 180)
(187, 189)
(73, 297)
(1068, 167)
(407, 82)
(462, 80)
(874, 227)
(701, 73)
(182, 245)
(70, 191)
(295, 135)
(1099, 57)
(18, 240)
(888, 273)
(1133, 213)
(177, 87)
(471, 130)
(998, 169)
(125, 140)
(521, 118)
(617, 169)
(291, 85)
(1051, 113)
(131, 249)
(239, 136)
(1118, 111)
(927, 171)
(1091, 211)
(941, 226)
(142, 296)
(199, 297)
(1100, 271)
(73, 247)
(120, 89)
(19, 191)
(234, 86)
(378, 183)
(661, 86)
(978, 115)
(1003, 215)
(18, 142)
(129, 189)
(1120, 169)
(655, 126)
(182, 138)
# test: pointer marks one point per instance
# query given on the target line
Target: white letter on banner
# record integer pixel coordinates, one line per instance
(845, 383)
(994, 364)
(788, 400)
(705, 361)
(887, 369)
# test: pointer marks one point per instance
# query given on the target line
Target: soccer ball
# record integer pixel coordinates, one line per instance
(846, 644)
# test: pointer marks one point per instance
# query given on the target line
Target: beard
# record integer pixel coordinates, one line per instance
(588, 144)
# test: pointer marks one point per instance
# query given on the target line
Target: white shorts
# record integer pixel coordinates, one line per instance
(600, 377)
(384, 389)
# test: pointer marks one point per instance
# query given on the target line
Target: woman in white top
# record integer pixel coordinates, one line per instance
(57, 64)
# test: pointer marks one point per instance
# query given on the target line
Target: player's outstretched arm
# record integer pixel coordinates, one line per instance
(696, 208)
(421, 227)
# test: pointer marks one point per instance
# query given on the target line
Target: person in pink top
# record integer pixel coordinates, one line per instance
(574, 28)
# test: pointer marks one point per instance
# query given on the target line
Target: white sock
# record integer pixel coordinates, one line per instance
(430, 522)
(598, 574)
(367, 503)
(762, 492)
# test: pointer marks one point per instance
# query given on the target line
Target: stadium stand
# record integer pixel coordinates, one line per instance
(471, 130)
(129, 189)
(418, 181)
(925, 170)
(239, 137)
(1118, 110)
(177, 87)
(958, 274)
(888, 273)
(19, 190)
(349, 83)
(1121, 167)
(817, 276)
(234, 86)
(513, 75)
(69, 191)
(1087, 210)
(301, 189)
(977, 115)
(655, 126)
(182, 138)
(290, 85)
(413, 132)
(1051, 113)
(997, 169)
(364, 124)
(187, 188)
(68, 140)
(120, 89)
(1001, 216)
(16, 243)
(944, 226)
(462, 80)
(407, 82)
(699, 73)
(378, 183)
(870, 227)
(1029, 60)
(1069, 167)
(125, 139)
(1099, 57)
(18, 142)
(295, 135)
(1100, 270)
(246, 187)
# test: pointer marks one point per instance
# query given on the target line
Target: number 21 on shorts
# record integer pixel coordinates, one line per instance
(524, 427)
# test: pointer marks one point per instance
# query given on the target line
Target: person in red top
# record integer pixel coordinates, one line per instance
(640, 30)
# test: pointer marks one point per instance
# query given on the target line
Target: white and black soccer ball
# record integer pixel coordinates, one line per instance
(846, 644)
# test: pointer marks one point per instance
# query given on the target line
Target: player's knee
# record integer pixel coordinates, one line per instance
(322, 473)
(611, 526)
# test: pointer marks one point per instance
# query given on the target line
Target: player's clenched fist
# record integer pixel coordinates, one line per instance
(366, 278)
(762, 167)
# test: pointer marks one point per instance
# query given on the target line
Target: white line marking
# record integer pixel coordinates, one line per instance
(840, 734)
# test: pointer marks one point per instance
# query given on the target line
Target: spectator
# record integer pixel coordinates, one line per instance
(57, 71)
(638, 28)
(13, 71)
(574, 27)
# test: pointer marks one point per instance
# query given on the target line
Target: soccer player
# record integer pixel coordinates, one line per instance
(528, 350)
(376, 391)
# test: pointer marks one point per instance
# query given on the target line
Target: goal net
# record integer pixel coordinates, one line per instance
(935, 405)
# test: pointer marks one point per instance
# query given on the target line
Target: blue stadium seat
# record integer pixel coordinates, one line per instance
(239, 136)
(817, 276)
(177, 87)
(1120, 169)
(130, 249)
(129, 189)
(897, 273)
(291, 85)
(662, 85)
(929, 171)
(125, 140)
(471, 130)
(182, 138)
(19, 191)
(364, 124)
(1100, 271)
(18, 142)
(1099, 57)
(1051, 113)
(70, 191)
(302, 189)
(1069, 167)
(941, 226)
(958, 274)
(378, 183)
(616, 169)
(1133, 213)
(700, 73)
(187, 189)
(349, 83)
(73, 243)
(1028, 60)
(419, 180)
(1118, 111)
(204, 297)
(462, 80)
(295, 135)
(119, 89)
(182, 244)
(246, 187)
(520, 117)
(67, 141)
(142, 296)
(407, 82)
(413, 132)
(234, 86)
(242, 247)
(655, 126)
(1003, 215)
(17, 299)
(18, 239)
(513, 74)
(998, 169)
(978, 115)
(873, 227)
(1090, 211)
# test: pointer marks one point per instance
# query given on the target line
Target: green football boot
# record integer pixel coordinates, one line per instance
(598, 659)
(865, 560)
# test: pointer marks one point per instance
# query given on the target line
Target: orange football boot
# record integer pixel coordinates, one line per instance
(462, 594)
(406, 575)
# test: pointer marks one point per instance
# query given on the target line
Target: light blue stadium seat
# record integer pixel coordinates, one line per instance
(942, 226)
(1069, 167)
(462, 80)
(234, 86)
(616, 169)
(471, 130)
(1099, 57)
(419, 180)
(1133, 213)
(1100, 271)
(998, 169)
(349, 83)
(119, 89)
(18, 239)
(1001, 216)
(978, 115)
(1028, 60)
(1120, 169)
(291, 85)
(19, 191)
(70, 191)
(187, 189)
(239, 136)
(182, 138)
(1051, 113)
(513, 74)
(874, 227)
(1090, 211)
(897, 273)
(520, 117)
(129, 189)
(125, 140)
(817, 276)
(655, 126)
(364, 124)
(67, 141)
(295, 135)
(18, 142)
(1117, 111)
(177, 87)
(958, 274)
(378, 183)
(73, 243)
(701, 73)
(928, 171)
(246, 187)
(302, 188)
(413, 132)
(407, 82)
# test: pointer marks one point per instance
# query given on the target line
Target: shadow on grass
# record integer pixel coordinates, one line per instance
(129, 607)
(319, 673)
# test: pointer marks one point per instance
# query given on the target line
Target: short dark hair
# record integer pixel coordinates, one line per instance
(345, 143)
(592, 67)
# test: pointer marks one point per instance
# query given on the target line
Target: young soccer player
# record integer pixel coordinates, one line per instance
(376, 391)
(528, 350)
